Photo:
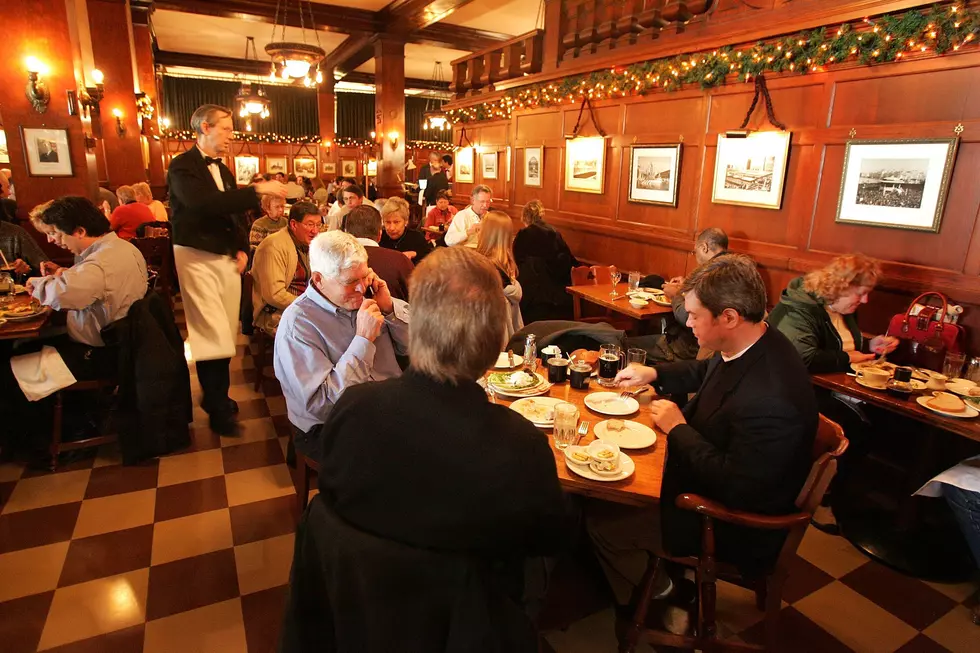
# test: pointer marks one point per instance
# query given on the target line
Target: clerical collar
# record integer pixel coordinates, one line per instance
(729, 359)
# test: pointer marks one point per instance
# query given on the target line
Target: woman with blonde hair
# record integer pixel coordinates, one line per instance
(145, 196)
(546, 264)
(496, 243)
(398, 233)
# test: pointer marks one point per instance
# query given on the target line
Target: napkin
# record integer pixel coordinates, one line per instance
(41, 373)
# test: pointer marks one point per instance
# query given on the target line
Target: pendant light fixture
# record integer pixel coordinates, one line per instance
(435, 117)
(290, 59)
(251, 104)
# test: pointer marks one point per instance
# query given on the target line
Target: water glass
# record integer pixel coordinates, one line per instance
(614, 276)
(634, 281)
(636, 356)
(973, 370)
(953, 365)
(6, 288)
(566, 425)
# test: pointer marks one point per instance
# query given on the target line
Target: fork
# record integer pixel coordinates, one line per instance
(629, 394)
(583, 429)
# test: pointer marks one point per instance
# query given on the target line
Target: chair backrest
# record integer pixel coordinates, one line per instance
(828, 446)
(600, 274)
(245, 308)
(155, 250)
(580, 275)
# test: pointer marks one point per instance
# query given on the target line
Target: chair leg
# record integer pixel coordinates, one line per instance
(761, 593)
(627, 643)
(304, 481)
(54, 448)
(774, 593)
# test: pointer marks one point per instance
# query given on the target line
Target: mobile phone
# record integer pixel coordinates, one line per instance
(369, 292)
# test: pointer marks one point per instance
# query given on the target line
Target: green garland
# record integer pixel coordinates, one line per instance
(887, 38)
(280, 139)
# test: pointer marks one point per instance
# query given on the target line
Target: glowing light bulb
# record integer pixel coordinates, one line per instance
(35, 65)
(319, 76)
(117, 113)
(297, 67)
(97, 76)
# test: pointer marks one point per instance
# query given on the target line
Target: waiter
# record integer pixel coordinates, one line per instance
(210, 249)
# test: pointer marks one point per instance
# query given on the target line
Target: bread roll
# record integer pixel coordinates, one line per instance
(946, 402)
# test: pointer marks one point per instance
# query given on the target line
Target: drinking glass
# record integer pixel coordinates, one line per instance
(953, 365)
(973, 370)
(566, 425)
(636, 356)
(611, 360)
(6, 288)
(615, 276)
(634, 281)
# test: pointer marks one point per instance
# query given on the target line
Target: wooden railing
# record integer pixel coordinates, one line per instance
(478, 72)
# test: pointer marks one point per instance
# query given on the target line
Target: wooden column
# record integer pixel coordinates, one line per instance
(112, 47)
(326, 102)
(552, 35)
(42, 29)
(389, 111)
(146, 78)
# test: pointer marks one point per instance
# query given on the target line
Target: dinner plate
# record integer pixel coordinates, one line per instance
(642, 294)
(966, 414)
(27, 316)
(503, 362)
(888, 367)
(530, 409)
(541, 389)
(962, 389)
(610, 403)
(502, 381)
(633, 436)
(626, 469)
(662, 301)
(867, 385)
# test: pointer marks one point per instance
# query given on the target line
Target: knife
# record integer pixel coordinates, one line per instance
(510, 357)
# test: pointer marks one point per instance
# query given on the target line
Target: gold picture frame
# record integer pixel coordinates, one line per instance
(750, 169)
(585, 165)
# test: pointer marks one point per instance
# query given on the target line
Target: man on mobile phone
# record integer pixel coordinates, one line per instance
(345, 329)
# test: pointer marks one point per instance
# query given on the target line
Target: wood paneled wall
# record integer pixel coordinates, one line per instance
(925, 98)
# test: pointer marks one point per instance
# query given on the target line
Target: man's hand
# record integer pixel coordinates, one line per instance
(369, 320)
(382, 295)
(473, 228)
(666, 415)
(20, 267)
(858, 357)
(635, 375)
(276, 188)
(31, 283)
(241, 258)
(672, 289)
(410, 255)
(883, 344)
(50, 268)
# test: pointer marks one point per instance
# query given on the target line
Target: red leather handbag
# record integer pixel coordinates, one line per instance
(925, 338)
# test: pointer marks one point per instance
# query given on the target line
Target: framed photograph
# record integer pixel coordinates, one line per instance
(655, 174)
(305, 166)
(4, 154)
(372, 168)
(275, 165)
(464, 165)
(585, 160)
(246, 167)
(488, 162)
(751, 171)
(507, 163)
(533, 166)
(46, 151)
(348, 167)
(329, 168)
(896, 183)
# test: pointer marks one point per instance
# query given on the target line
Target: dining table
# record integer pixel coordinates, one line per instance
(23, 329)
(900, 537)
(642, 488)
(601, 295)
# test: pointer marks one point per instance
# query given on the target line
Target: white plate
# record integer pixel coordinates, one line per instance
(550, 402)
(642, 294)
(662, 301)
(29, 316)
(867, 385)
(503, 362)
(609, 403)
(536, 391)
(962, 389)
(966, 414)
(633, 436)
(626, 469)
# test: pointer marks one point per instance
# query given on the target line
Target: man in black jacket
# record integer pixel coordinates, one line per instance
(211, 251)
(745, 439)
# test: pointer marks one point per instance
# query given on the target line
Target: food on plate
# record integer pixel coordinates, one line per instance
(946, 402)
(580, 456)
(537, 412)
(18, 310)
(605, 454)
(585, 356)
(973, 392)
(615, 425)
(514, 380)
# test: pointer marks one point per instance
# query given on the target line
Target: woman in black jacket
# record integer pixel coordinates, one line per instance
(545, 263)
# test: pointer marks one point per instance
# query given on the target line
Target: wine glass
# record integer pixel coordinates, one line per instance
(615, 275)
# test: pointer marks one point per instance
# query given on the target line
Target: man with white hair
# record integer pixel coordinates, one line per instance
(345, 329)
(465, 227)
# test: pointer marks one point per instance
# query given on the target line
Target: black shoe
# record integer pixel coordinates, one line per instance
(233, 406)
(224, 424)
(829, 529)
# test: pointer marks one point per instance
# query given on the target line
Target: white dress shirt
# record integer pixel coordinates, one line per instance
(457, 234)
(215, 172)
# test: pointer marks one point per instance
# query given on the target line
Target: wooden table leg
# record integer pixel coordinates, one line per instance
(577, 307)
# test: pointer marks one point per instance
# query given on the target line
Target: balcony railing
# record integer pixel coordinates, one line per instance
(478, 72)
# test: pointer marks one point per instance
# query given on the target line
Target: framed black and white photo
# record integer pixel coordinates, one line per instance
(329, 168)
(372, 168)
(751, 170)
(348, 167)
(585, 160)
(464, 165)
(489, 165)
(4, 154)
(246, 167)
(47, 152)
(654, 174)
(533, 166)
(896, 183)
(275, 165)
(304, 166)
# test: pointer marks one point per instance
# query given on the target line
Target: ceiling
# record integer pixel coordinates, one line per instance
(507, 16)
(370, 5)
(420, 61)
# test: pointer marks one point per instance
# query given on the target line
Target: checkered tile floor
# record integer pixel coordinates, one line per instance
(192, 553)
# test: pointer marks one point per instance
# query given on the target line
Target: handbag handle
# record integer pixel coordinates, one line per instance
(943, 317)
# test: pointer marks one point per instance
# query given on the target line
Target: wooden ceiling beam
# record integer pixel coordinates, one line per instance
(331, 18)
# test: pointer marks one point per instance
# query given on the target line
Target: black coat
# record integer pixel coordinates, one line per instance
(154, 406)
(204, 217)
(350, 591)
(545, 266)
(748, 443)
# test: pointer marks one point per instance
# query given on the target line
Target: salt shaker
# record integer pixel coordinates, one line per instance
(531, 353)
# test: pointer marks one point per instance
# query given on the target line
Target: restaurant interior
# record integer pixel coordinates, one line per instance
(651, 144)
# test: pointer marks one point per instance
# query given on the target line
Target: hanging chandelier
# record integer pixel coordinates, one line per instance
(251, 104)
(435, 118)
(292, 60)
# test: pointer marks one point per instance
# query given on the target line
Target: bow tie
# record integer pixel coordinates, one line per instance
(208, 160)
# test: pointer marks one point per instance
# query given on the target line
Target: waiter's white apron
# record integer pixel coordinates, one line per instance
(211, 290)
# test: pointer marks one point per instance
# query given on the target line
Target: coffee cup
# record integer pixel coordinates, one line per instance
(579, 374)
(936, 380)
(549, 352)
(874, 377)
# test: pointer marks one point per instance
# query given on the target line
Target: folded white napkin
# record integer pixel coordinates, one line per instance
(42, 373)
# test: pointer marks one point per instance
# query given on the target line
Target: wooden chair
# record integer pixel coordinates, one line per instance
(158, 252)
(828, 446)
(583, 275)
(306, 467)
(57, 446)
(263, 341)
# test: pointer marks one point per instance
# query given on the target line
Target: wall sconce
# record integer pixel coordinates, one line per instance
(36, 91)
(393, 139)
(120, 128)
(92, 95)
(326, 145)
(374, 136)
(164, 124)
